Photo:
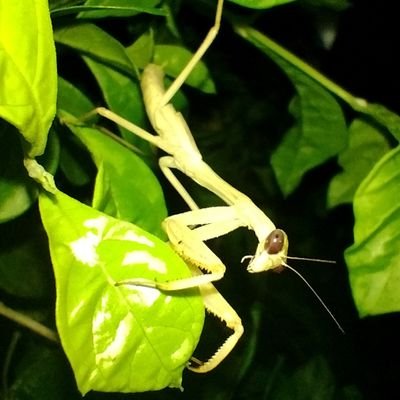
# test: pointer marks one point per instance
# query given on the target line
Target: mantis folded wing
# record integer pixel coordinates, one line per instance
(188, 231)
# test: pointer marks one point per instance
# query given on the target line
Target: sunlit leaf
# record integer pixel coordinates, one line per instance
(118, 338)
(28, 70)
(374, 259)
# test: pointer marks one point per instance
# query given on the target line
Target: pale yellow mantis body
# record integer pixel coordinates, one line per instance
(188, 231)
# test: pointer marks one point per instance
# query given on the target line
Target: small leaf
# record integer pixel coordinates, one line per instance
(260, 3)
(366, 146)
(319, 133)
(94, 42)
(71, 99)
(141, 50)
(173, 59)
(118, 338)
(123, 96)
(28, 71)
(374, 260)
(320, 129)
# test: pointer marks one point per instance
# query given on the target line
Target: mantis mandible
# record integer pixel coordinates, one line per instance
(188, 231)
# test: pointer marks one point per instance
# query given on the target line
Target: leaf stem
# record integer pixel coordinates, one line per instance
(28, 322)
(259, 39)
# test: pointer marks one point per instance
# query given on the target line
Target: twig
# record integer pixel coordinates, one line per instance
(28, 322)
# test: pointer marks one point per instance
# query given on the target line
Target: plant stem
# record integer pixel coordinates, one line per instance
(28, 322)
(260, 40)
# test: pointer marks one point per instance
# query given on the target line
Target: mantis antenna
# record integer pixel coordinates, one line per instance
(188, 231)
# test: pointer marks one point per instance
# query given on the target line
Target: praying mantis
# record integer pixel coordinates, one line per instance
(187, 232)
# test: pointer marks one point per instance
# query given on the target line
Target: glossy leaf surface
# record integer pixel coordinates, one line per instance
(118, 338)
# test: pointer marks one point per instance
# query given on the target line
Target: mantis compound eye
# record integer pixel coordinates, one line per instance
(274, 242)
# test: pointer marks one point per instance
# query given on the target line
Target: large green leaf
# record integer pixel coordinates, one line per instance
(366, 146)
(319, 131)
(374, 258)
(118, 338)
(28, 82)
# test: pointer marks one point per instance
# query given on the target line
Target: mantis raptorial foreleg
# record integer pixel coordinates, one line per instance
(188, 231)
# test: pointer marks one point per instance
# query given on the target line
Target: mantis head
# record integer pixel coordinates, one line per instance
(270, 253)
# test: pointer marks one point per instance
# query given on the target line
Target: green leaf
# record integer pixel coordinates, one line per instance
(125, 186)
(141, 50)
(173, 59)
(382, 115)
(260, 3)
(74, 161)
(92, 41)
(71, 99)
(366, 146)
(17, 190)
(374, 260)
(319, 133)
(120, 8)
(320, 130)
(123, 96)
(118, 338)
(28, 70)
